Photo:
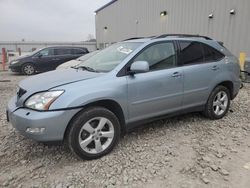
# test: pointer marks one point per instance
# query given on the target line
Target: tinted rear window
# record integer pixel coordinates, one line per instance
(211, 54)
(79, 51)
(62, 51)
(197, 52)
(191, 52)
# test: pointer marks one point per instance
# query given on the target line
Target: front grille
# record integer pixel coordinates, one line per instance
(20, 92)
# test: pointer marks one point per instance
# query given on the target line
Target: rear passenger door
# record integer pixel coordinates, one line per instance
(201, 63)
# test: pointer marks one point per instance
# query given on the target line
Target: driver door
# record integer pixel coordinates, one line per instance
(160, 90)
(45, 59)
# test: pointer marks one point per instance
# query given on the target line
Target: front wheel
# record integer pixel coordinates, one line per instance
(93, 133)
(218, 103)
(28, 69)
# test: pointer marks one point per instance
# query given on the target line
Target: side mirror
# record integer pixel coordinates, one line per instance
(139, 67)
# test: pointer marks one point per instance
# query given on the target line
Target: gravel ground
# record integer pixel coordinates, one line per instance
(185, 151)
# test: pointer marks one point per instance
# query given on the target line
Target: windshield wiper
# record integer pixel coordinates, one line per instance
(85, 68)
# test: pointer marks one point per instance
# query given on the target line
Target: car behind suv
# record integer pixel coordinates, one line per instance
(122, 86)
(77, 61)
(46, 59)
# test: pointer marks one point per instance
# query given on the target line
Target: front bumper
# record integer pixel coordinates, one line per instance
(53, 122)
(15, 68)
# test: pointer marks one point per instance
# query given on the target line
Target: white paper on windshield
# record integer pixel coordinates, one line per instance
(124, 50)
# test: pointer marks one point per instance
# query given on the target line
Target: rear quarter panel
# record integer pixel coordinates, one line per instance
(230, 72)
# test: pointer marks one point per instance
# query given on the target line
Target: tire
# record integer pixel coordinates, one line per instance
(217, 106)
(28, 69)
(89, 128)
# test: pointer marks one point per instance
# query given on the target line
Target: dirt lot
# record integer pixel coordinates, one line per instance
(186, 151)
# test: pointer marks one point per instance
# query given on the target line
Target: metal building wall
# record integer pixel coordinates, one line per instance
(131, 18)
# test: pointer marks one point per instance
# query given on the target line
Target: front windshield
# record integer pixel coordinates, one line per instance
(85, 57)
(35, 51)
(107, 59)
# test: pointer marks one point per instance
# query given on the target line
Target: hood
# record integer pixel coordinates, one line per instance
(48, 80)
(21, 57)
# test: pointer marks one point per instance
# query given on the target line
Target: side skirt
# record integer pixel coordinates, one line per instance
(133, 125)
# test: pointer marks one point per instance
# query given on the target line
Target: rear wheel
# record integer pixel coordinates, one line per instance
(218, 103)
(93, 133)
(28, 69)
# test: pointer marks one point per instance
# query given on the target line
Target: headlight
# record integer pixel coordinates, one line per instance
(43, 100)
(13, 62)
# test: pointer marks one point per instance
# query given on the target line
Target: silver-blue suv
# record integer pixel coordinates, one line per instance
(124, 85)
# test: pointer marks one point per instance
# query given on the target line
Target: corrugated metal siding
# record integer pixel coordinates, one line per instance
(184, 16)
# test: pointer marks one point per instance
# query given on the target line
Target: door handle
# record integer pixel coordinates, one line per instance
(176, 74)
(215, 67)
(55, 59)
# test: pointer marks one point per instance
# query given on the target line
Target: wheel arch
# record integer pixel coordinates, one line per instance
(28, 62)
(109, 104)
(229, 85)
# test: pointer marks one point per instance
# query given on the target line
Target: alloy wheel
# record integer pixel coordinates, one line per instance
(220, 103)
(28, 69)
(96, 135)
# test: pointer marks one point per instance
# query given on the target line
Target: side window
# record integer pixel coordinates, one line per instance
(46, 52)
(58, 51)
(67, 51)
(191, 52)
(78, 51)
(159, 56)
(211, 54)
(63, 51)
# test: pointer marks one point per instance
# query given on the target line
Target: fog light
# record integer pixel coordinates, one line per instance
(35, 130)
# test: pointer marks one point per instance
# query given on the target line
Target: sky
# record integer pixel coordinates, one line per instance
(48, 20)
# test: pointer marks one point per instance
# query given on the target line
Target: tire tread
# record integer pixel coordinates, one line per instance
(77, 121)
(208, 112)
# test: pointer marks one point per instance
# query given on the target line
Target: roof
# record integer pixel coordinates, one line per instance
(168, 36)
(106, 5)
(143, 40)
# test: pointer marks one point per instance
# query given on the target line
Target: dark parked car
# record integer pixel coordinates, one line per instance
(46, 59)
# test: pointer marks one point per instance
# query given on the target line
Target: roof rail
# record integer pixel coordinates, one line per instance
(221, 43)
(133, 38)
(182, 35)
